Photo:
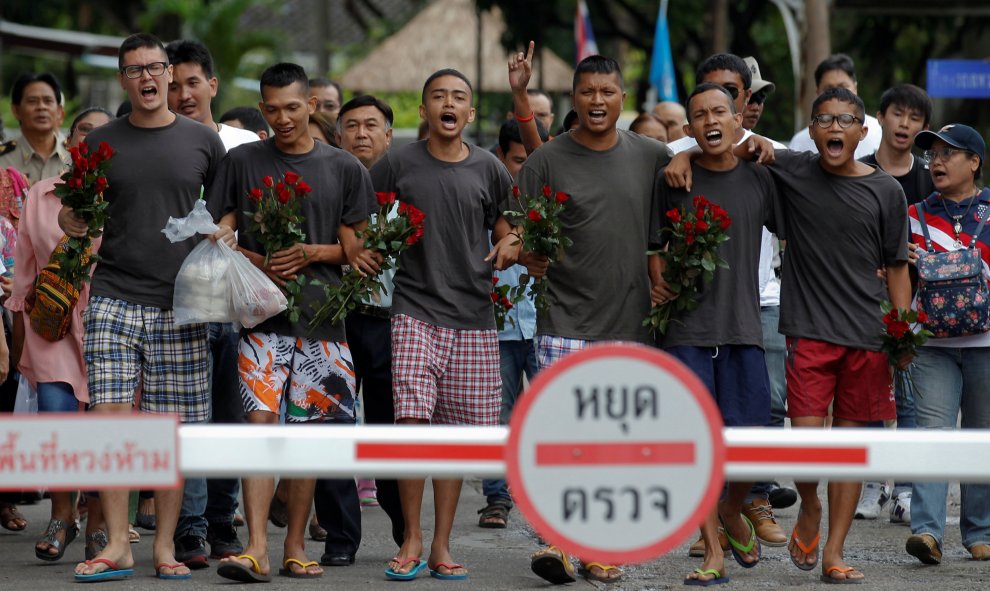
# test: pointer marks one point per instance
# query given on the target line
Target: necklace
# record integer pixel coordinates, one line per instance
(957, 226)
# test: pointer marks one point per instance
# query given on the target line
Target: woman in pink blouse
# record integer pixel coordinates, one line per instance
(56, 369)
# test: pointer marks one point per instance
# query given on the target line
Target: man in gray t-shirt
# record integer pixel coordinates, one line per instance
(600, 291)
(445, 363)
(160, 166)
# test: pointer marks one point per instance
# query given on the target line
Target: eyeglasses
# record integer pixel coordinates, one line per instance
(154, 69)
(942, 154)
(758, 98)
(824, 120)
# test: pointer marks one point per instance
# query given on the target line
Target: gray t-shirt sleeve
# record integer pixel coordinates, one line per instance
(895, 226)
(383, 175)
(359, 195)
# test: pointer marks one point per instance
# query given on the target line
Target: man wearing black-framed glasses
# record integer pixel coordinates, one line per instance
(161, 163)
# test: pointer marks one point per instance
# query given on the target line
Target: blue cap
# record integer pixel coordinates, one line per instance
(958, 136)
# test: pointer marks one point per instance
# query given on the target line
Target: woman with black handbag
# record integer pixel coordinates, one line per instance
(951, 249)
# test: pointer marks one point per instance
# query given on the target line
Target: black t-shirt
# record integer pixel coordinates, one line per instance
(156, 173)
(342, 194)
(728, 311)
(839, 231)
(444, 279)
(917, 183)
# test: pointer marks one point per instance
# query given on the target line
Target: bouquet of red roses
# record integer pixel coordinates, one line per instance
(690, 259)
(542, 235)
(387, 235)
(900, 340)
(276, 224)
(82, 189)
(501, 303)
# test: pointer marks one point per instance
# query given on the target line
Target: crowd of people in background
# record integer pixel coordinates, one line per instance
(825, 229)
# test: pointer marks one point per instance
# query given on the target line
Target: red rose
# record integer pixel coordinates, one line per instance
(689, 239)
(106, 152)
(494, 298)
(724, 223)
(515, 191)
(291, 177)
(279, 187)
(101, 184)
(284, 196)
(922, 317)
(689, 227)
(506, 303)
(898, 329)
(547, 191)
(403, 208)
(701, 226)
(535, 215)
(494, 280)
(268, 181)
(700, 202)
(302, 188)
(562, 196)
(83, 149)
(418, 233)
(384, 198)
(415, 216)
(82, 165)
(256, 194)
(674, 215)
(74, 153)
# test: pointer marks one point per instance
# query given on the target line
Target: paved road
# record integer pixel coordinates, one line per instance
(498, 560)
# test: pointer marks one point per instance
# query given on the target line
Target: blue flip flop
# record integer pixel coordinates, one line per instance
(718, 580)
(113, 572)
(413, 572)
(739, 549)
(447, 577)
(173, 576)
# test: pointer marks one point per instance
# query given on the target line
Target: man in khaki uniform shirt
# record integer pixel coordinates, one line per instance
(36, 101)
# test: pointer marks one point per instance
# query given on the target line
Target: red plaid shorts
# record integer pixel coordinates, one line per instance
(444, 375)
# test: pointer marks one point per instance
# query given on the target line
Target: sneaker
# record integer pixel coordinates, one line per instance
(872, 500)
(223, 541)
(191, 551)
(782, 497)
(900, 509)
(767, 530)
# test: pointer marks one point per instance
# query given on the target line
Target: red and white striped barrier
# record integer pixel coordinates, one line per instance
(78, 451)
(226, 450)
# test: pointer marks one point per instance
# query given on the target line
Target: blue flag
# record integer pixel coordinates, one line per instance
(662, 65)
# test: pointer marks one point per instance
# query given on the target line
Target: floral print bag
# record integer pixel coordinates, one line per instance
(953, 291)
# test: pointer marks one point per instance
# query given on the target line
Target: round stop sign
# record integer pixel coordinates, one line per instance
(615, 453)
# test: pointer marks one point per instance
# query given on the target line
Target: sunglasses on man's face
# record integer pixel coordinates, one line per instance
(758, 98)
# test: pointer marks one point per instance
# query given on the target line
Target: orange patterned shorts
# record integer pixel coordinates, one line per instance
(314, 378)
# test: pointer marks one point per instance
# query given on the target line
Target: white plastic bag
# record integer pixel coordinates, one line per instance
(254, 297)
(26, 401)
(201, 294)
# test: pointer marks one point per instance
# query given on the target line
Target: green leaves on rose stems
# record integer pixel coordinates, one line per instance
(690, 260)
(903, 333)
(396, 227)
(542, 235)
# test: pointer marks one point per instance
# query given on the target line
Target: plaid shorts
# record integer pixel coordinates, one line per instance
(551, 349)
(128, 344)
(316, 378)
(444, 375)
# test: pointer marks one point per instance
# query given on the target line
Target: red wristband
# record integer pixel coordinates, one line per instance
(524, 119)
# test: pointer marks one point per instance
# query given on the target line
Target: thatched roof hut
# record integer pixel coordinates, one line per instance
(445, 35)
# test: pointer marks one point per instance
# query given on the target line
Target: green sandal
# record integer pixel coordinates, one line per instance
(738, 549)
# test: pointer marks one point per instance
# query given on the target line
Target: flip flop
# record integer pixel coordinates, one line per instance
(602, 578)
(112, 573)
(395, 575)
(236, 571)
(285, 571)
(718, 580)
(173, 576)
(738, 549)
(449, 576)
(551, 564)
(828, 578)
(807, 550)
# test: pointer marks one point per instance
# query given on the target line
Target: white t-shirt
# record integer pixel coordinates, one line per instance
(802, 142)
(235, 136)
